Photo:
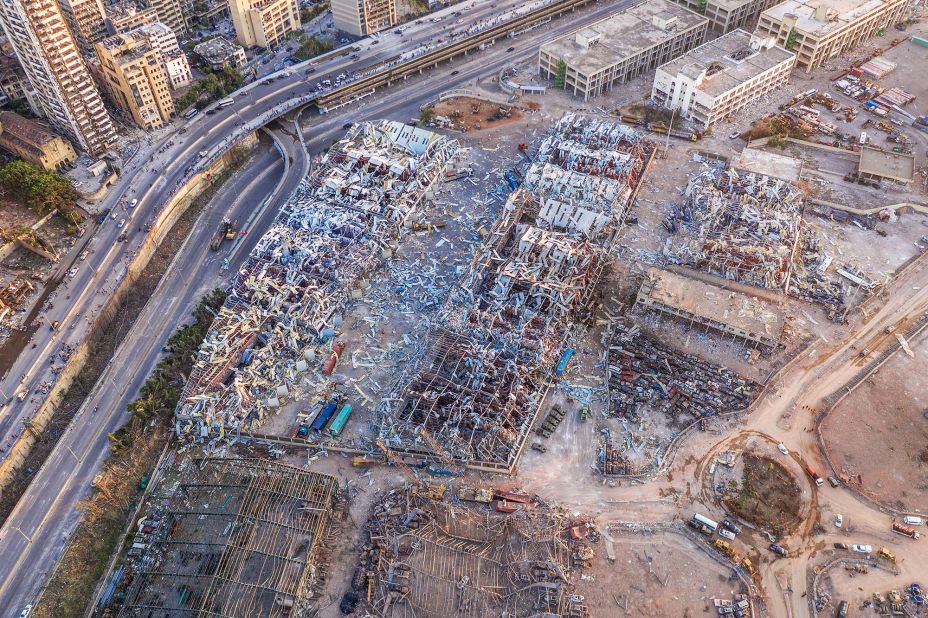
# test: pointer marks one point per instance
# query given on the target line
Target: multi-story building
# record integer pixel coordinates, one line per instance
(265, 23)
(32, 142)
(210, 12)
(718, 78)
(64, 90)
(363, 17)
(87, 21)
(727, 15)
(124, 17)
(613, 50)
(137, 78)
(163, 39)
(818, 30)
(170, 12)
(220, 52)
(14, 86)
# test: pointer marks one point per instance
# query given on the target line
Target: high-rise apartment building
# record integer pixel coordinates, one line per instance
(163, 39)
(137, 77)
(87, 21)
(64, 90)
(124, 17)
(363, 17)
(265, 23)
(170, 12)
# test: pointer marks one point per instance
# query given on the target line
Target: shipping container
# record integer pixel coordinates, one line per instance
(339, 423)
(322, 420)
(705, 521)
(920, 41)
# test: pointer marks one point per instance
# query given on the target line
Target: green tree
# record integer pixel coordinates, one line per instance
(36, 188)
(560, 78)
(791, 38)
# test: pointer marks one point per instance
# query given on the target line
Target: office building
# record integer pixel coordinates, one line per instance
(137, 78)
(163, 39)
(727, 15)
(219, 52)
(818, 30)
(170, 12)
(30, 141)
(718, 78)
(620, 47)
(264, 23)
(121, 18)
(87, 21)
(64, 90)
(363, 17)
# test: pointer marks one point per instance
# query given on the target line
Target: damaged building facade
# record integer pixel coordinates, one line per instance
(327, 240)
(480, 381)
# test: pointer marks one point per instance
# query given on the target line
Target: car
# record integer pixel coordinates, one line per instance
(268, 81)
(862, 549)
(355, 56)
(22, 395)
(134, 201)
(780, 551)
(310, 70)
(833, 481)
(734, 135)
(122, 222)
(732, 526)
(203, 153)
(113, 215)
(210, 112)
(728, 534)
(102, 218)
(782, 448)
(841, 546)
(455, 72)
(510, 50)
(839, 520)
(73, 271)
(183, 130)
(26, 611)
(347, 126)
(83, 255)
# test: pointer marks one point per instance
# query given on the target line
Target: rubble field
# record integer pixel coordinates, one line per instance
(878, 435)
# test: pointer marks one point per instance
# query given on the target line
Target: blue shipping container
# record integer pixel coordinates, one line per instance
(562, 366)
(324, 416)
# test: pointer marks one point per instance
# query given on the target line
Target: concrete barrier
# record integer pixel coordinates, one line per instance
(170, 212)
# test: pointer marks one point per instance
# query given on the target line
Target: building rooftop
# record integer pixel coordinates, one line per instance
(769, 163)
(215, 50)
(891, 165)
(612, 40)
(27, 131)
(821, 17)
(709, 302)
(727, 62)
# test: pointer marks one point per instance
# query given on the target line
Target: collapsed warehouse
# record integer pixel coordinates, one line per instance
(284, 300)
(478, 385)
(237, 538)
(645, 377)
(747, 227)
(431, 558)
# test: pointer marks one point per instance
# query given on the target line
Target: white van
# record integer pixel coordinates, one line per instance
(911, 520)
(226, 102)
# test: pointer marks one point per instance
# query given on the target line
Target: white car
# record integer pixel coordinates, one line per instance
(782, 448)
(862, 549)
(134, 201)
(26, 611)
(838, 520)
(72, 272)
(122, 222)
(728, 534)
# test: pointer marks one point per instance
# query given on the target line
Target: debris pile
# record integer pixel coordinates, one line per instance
(741, 226)
(479, 383)
(424, 557)
(291, 290)
(644, 374)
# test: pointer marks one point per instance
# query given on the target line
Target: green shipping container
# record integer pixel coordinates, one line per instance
(920, 41)
(339, 423)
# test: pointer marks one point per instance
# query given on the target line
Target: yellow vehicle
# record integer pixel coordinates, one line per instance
(885, 553)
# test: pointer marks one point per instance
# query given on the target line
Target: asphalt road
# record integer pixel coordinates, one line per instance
(32, 538)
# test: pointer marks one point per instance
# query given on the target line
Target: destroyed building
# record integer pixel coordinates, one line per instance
(478, 384)
(285, 299)
(237, 538)
(741, 226)
(424, 557)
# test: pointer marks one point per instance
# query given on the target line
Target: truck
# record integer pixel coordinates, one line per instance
(814, 476)
(911, 520)
(905, 530)
(226, 231)
(703, 524)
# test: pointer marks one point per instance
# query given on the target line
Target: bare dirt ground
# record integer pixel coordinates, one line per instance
(469, 114)
(880, 431)
(655, 574)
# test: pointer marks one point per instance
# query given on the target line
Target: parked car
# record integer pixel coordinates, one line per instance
(862, 549)
(455, 72)
(73, 271)
(732, 526)
(727, 534)
(839, 520)
(781, 551)
(782, 448)
(833, 481)
(26, 611)
(134, 201)
(102, 218)
(841, 546)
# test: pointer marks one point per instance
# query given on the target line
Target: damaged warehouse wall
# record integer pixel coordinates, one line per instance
(479, 382)
(286, 296)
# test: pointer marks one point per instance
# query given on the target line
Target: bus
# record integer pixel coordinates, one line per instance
(191, 113)
(339, 423)
(322, 419)
(226, 102)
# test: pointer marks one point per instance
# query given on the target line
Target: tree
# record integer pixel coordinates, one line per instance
(36, 188)
(560, 78)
